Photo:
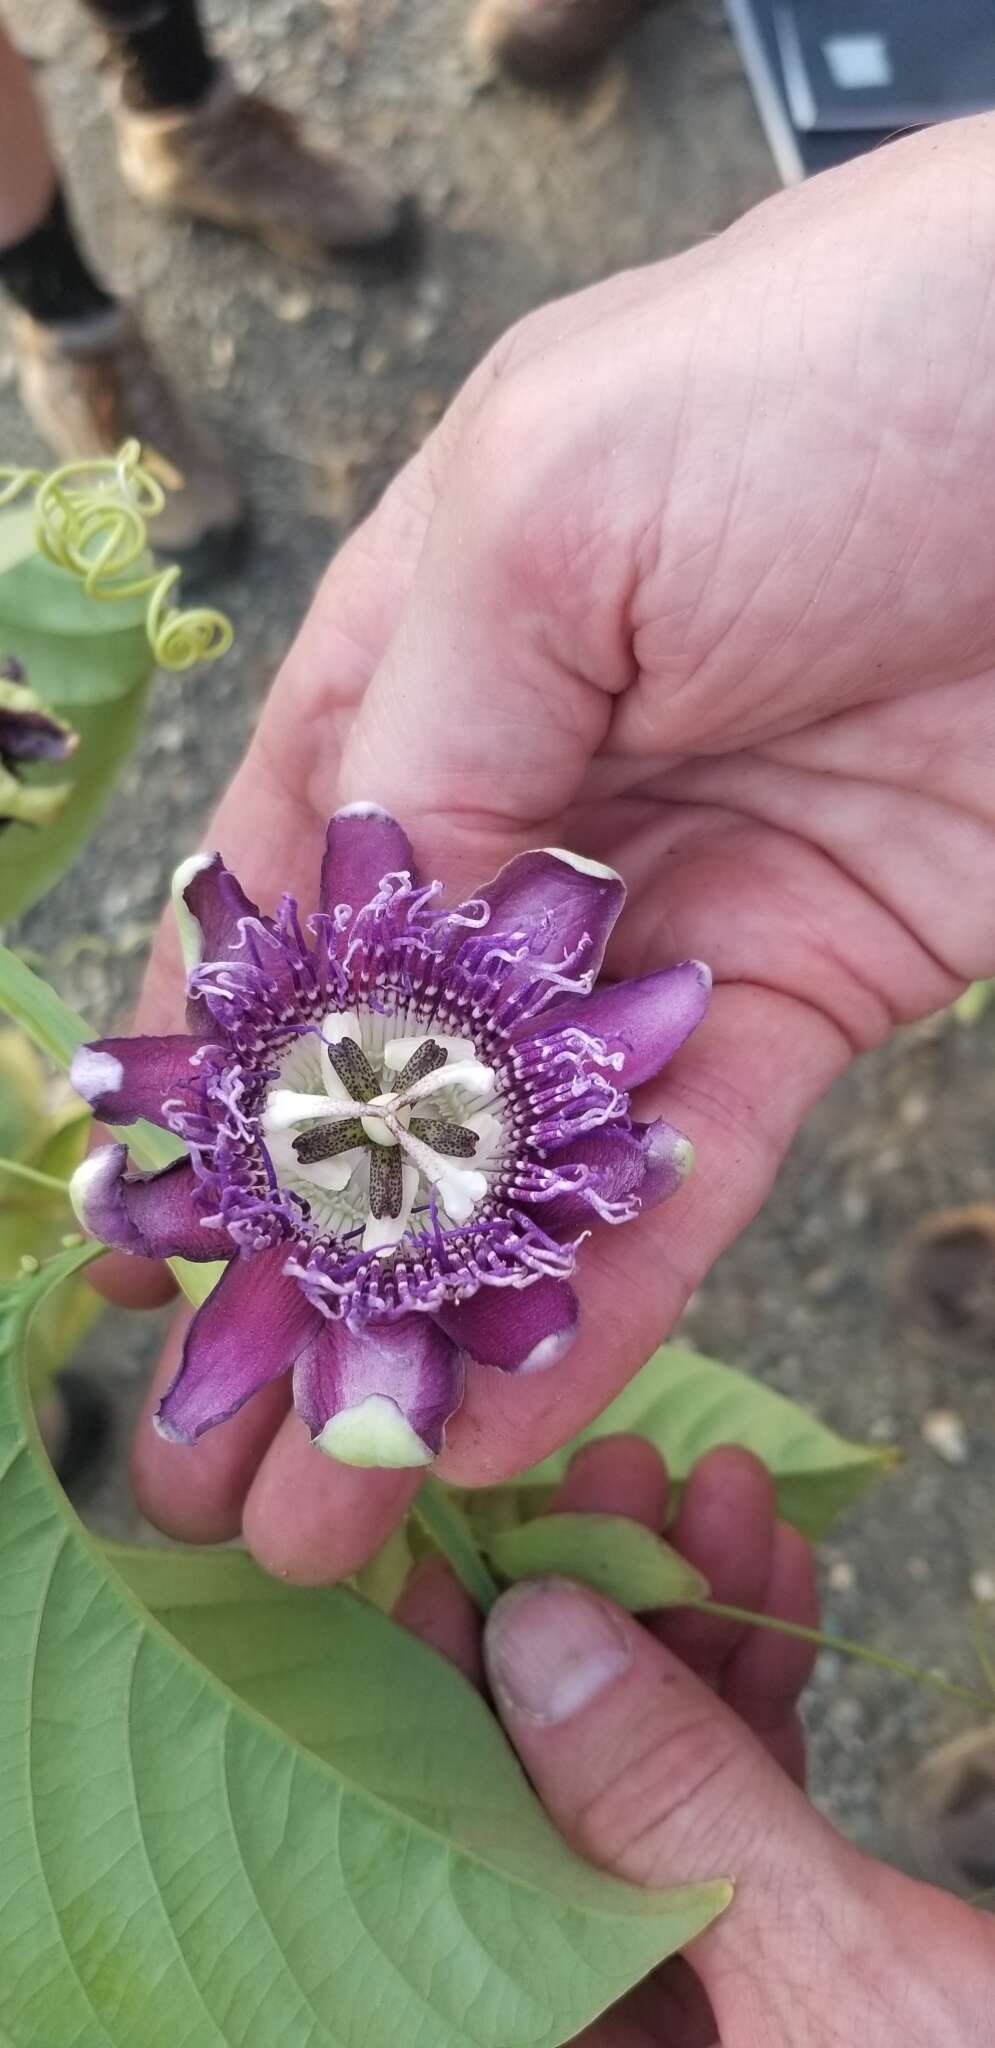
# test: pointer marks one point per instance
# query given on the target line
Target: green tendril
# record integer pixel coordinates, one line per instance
(92, 521)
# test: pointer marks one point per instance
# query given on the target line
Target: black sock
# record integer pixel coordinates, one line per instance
(159, 49)
(47, 274)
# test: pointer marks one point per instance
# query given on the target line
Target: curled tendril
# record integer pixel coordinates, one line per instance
(92, 520)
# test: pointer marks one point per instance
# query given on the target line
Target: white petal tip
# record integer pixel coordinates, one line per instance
(168, 1431)
(704, 973)
(683, 1158)
(548, 1352)
(373, 1434)
(364, 810)
(596, 868)
(91, 1180)
(94, 1074)
(188, 926)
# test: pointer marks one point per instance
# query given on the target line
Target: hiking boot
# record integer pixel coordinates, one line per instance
(90, 384)
(238, 161)
(941, 1819)
(544, 41)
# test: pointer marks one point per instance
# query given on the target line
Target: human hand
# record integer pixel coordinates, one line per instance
(670, 1751)
(695, 578)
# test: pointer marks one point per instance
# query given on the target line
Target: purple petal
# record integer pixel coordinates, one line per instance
(125, 1078)
(156, 1215)
(209, 904)
(520, 1329)
(565, 906)
(645, 1021)
(250, 1330)
(362, 845)
(28, 732)
(382, 1395)
(616, 1165)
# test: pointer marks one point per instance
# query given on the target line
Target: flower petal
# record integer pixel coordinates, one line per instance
(519, 1329)
(629, 1171)
(155, 1215)
(382, 1395)
(208, 904)
(643, 1021)
(564, 905)
(362, 845)
(125, 1078)
(252, 1328)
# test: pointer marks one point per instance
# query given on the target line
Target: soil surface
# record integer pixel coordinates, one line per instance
(321, 385)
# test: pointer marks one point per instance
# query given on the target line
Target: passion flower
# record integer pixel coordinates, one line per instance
(401, 1121)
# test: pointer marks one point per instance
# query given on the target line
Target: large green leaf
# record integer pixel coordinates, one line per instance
(686, 1405)
(236, 1813)
(57, 1030)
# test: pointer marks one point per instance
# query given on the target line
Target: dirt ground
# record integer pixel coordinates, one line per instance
(322, 385)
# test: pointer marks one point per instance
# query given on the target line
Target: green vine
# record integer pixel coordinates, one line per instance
(92, 519)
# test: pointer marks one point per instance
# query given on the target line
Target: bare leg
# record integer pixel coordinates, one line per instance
(28, 176)
(88, 377)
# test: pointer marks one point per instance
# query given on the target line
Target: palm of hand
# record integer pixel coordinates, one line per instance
(764, 690)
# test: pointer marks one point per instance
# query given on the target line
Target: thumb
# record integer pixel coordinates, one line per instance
(653, 1778)
(499, 681)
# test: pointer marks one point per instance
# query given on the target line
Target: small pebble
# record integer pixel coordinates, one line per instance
(842, 1576)
(293, 307)
(943, 1430)
(914, 1110)
(983, 1587)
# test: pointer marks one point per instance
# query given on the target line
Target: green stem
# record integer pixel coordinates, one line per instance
(846, 1648)
(442, 1519)
(32, 1173)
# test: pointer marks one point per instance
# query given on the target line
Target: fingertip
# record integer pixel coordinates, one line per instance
(617, 1475)
(436, 1608)
(195, 1492)
(724, 1526)
(314, 1521)
(129, 1282)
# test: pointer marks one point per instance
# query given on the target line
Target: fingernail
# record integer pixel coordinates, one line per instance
(551, 1648)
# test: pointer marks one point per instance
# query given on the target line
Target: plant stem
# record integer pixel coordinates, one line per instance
(846, 1648)
(447, 1525)
(32, 1173)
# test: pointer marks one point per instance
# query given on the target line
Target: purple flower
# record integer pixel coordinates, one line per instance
(28, 733)
(401, 1121)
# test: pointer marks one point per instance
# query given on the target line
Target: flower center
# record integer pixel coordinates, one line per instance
(370, 1129)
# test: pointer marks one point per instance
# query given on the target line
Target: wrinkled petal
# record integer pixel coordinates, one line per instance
(628, 1171)
(643, 1021)
(250, 1330)
(156, 1215)
(363, 844)
(125, 1078)
(381, 1396)
(564, 905)
(209, 905)
(519, 1329)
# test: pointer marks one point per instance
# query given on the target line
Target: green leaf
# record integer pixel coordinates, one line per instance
(617, 1557)
(240, 1813)
(57, 1030)
(90, 661)
(686, 1404)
